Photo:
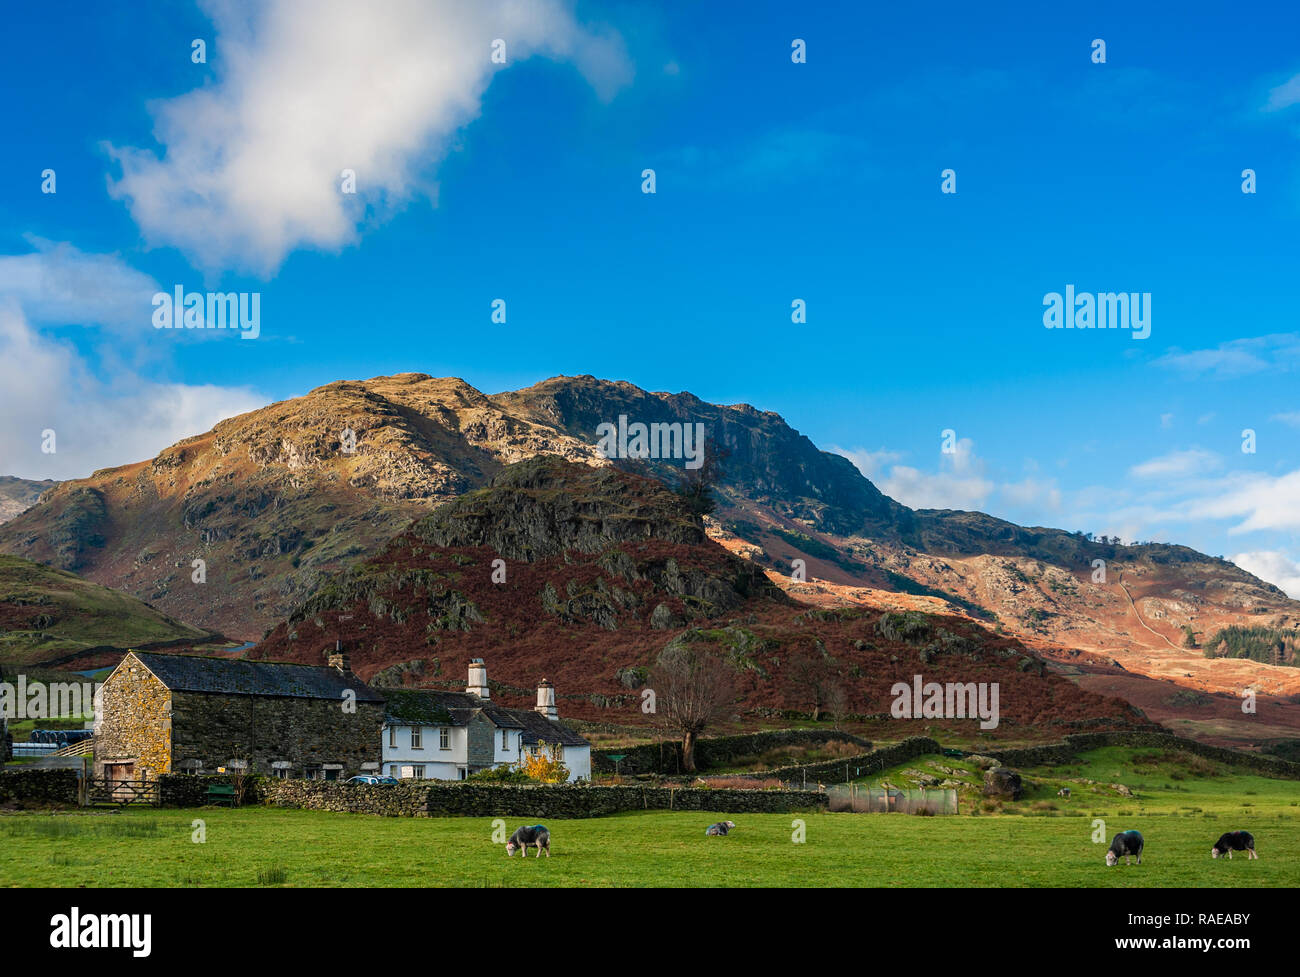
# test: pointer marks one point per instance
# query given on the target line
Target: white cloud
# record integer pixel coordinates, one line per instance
(249, 168)
(46, 385)
(49, 383)
(1275, 567)
(1284, 95)
(57, 283)
(870, 463)
(959, 483)
(1177, 464)
(1261, 502)
(1238, 358)
(1289, 417)
(1032, 493)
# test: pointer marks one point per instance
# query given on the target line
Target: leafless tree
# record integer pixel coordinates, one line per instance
(693, 690)
(810, 681)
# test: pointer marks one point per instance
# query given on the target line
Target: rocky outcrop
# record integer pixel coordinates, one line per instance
(1003, 782)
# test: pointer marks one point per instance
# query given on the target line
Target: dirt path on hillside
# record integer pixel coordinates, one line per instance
(1137, 614)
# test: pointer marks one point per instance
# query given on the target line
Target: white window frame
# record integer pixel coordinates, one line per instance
(444, 738)
(417, 738)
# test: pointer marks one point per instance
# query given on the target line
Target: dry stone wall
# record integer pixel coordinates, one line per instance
(38, 787)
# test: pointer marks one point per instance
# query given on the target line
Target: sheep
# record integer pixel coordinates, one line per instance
(1235, 841)
(536, 834)
(1124, 845)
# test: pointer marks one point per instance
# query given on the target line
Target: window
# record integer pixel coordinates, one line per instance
(280, 773)
(558, 752)
(534, 750)
(392, 736)
(462, 773)
(444, 739)
(417, 771)
(505, 739)
(417, 738)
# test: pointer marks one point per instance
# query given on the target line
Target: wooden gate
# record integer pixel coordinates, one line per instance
(107, 790)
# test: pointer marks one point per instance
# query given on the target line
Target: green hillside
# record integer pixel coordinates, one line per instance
(47, 613)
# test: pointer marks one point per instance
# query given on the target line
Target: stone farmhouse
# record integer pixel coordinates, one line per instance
(436, 735)
(189, 714)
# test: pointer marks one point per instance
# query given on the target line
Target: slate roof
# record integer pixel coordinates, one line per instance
(432, 707)
(239, 676)
(538, 728)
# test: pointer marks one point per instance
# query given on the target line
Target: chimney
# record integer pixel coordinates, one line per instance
(338, 658)
(478, 679)
(546, 700)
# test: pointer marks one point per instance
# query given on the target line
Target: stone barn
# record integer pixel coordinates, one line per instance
(190, 714)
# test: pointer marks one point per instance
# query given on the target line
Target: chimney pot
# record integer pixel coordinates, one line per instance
(340, 660)
(478, 679)
(546, 700)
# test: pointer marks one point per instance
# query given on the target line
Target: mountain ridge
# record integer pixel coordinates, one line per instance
(273, 501)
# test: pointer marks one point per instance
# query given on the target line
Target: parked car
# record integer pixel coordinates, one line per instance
(371, 779)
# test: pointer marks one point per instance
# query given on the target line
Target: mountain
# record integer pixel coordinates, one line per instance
(583, 575)
(47, 615)
(275, 500)
(17, 495)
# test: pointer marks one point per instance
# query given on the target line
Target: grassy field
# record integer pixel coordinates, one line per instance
(1181, 806)
(148, 848)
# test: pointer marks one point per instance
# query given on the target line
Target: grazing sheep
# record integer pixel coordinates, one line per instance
(1124, 844)
(1063, 792)
(1235, 841)
(531, 835)
(721, 828)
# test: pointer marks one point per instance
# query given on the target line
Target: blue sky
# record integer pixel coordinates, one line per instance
(775, 181)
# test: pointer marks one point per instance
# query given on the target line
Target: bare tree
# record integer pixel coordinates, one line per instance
(810, 680)
(837, 704)
(693, 690)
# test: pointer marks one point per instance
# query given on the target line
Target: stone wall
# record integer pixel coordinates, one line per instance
(135, 722)
(849, 768)
(215, 729)
(38, 787)
(1072, 746)
(435, 798)
(665, 757)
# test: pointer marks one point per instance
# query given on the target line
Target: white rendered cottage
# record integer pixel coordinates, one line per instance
(434, 735)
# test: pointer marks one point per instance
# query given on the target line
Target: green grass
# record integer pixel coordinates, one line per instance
(68, 614)
(1181, 805)
(313, 848)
